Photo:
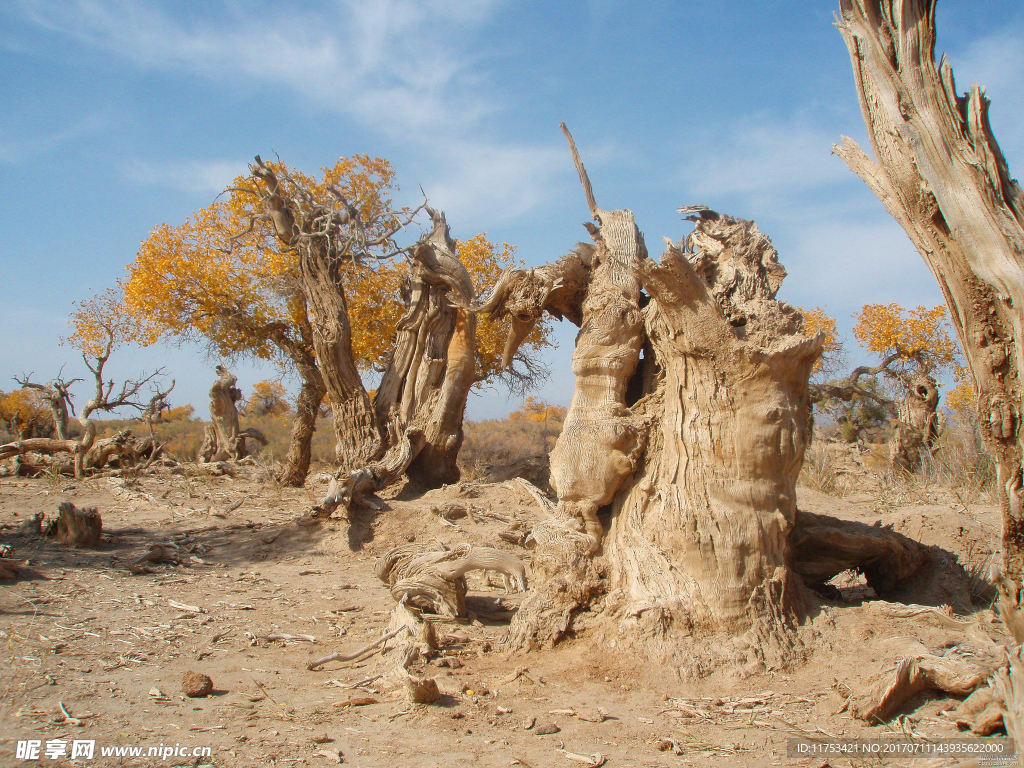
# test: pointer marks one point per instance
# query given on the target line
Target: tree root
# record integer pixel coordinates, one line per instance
(822, 546)
(959, 672)
(351, 487)
(433, 579)
(564, 569)
(356, 654)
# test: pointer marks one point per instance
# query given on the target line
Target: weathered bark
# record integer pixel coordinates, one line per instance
(421, 399)
(307, 408)
(433, 579)
(941, 174)
(224, 413)
(225, 441)
(693, 450)
(430, 372)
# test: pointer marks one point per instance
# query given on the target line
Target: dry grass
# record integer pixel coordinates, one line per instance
(496, 447)
(826, 469)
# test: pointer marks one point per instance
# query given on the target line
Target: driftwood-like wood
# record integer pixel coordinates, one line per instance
(939, 171)
(433, 579)
(687, 428)
(821, 547)
(956, 672)
(78, 527)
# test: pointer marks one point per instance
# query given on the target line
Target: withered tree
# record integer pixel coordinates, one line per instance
(413, 424)
(676, 467)
(940, 173)
(224, 440)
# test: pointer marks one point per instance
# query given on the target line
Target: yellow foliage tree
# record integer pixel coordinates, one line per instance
(536, 409)
(916, 341)
(180, 413)
(224, 279)
(817, 320)
(25, 412)
(268, 398)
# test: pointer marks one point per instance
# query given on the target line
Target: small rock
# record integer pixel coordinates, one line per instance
(547, 729)
(322, 739)
(423, 691)
(592, 714)
(529, 722)
(196, 685)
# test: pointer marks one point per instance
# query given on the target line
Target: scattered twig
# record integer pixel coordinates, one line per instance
(302, 638)
(67, 716)
(357, 654)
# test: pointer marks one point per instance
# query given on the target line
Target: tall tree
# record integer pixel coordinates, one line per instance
(939, 171)
(225, 279)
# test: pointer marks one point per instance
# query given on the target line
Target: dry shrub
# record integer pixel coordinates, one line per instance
(496, 447)
(959, 461)
(825, 469)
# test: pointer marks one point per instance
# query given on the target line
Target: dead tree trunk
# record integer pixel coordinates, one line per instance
(430, 373)
(224, 413)
(917, 423)
(941, 174)
(692, 450)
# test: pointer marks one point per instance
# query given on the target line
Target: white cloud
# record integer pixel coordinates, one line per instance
(761, 156)
(495, 184)
(191, 176)
(396, 64)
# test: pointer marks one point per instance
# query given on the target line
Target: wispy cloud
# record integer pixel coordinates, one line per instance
(192, 176)
(398, 64)
(16, 149)
(762, 157)
(410, 69)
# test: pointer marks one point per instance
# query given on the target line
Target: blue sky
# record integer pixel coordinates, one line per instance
(117, 116)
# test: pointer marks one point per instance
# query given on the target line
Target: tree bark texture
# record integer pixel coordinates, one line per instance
(940, 173)
(917, 423)
(421, 399)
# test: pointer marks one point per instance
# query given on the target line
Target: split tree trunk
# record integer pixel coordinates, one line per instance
(692, 450)
(941, 174)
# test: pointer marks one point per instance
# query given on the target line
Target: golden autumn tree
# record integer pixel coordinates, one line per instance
(268, 398)
(24, 412)
(224, 279)
(817, 320)
(915, 346)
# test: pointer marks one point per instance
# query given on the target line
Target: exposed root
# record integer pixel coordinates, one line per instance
(433, 579)
(822, 546)
(351, 487)
(565, 581)
(356, 654)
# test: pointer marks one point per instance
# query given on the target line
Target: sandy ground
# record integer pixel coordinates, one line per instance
(80, 630)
